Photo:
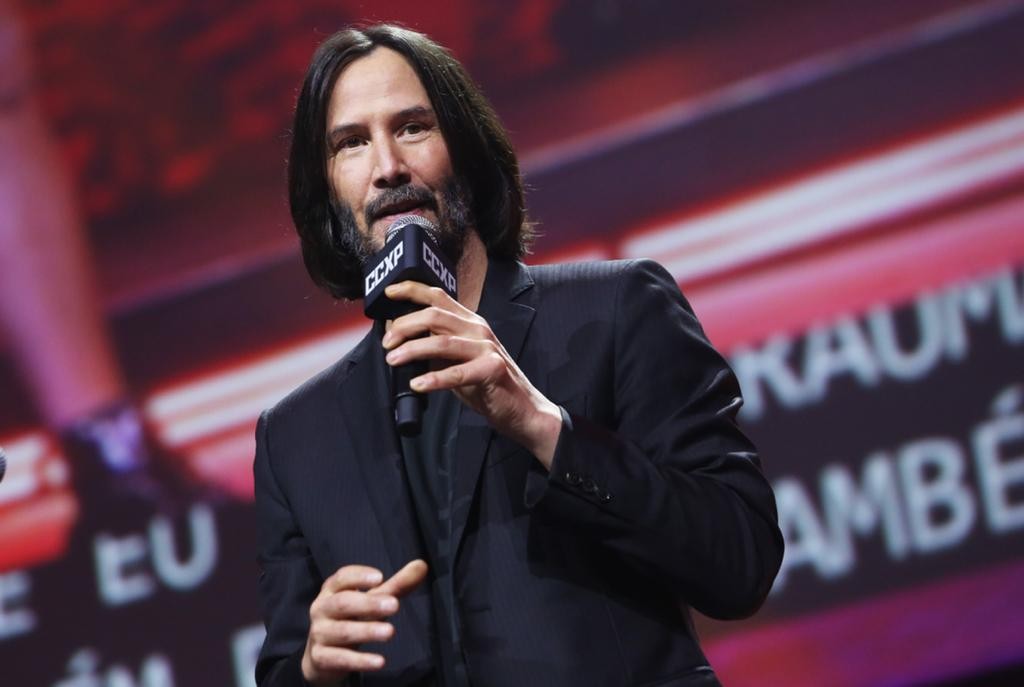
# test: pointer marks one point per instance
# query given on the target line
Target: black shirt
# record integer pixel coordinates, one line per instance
(430, 469)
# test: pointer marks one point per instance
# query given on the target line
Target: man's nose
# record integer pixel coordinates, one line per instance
(391, 169)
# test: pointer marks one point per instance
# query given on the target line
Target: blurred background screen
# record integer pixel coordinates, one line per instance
(837, 186)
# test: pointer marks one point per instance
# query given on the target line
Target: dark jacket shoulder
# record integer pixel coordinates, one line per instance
(591, 272)
(312, 393)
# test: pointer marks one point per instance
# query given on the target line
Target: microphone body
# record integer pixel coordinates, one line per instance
(410, 253)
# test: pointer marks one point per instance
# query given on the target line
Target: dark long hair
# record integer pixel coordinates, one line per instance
(480, 150)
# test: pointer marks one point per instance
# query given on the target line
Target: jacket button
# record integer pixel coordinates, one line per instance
(605, 497)
(590, 486)
(573, 478)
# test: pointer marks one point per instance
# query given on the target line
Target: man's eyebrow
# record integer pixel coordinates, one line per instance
(416, 111)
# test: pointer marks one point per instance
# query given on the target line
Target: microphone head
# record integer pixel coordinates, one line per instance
(410, 252)
(405, 220)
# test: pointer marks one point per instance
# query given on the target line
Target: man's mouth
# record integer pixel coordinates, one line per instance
(392, 211)
(392, 203)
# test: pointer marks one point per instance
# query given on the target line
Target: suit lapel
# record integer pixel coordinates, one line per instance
(367, 413)
(507, 303)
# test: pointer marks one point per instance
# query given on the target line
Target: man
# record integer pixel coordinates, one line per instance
(580, 481)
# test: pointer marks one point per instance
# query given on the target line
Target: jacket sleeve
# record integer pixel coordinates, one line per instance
(673, 485)
(288, 579)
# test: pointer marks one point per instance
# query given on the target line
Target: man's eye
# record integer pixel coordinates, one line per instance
(350, 142)
(414, 128)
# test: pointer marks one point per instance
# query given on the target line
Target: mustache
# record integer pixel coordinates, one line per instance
(398, 197)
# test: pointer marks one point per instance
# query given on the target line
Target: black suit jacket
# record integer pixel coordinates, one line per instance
(584, 576)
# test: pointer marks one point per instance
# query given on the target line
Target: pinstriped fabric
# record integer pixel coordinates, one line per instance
(655, 500)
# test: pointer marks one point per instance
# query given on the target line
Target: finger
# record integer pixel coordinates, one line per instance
(439, 347)
(340, 660)
(342, 633)
(405, 580)
(349, 604)
(476, 371)
(352, 577)
(434, 320)
(418, 292)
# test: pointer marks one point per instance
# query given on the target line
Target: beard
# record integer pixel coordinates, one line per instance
(454, 218)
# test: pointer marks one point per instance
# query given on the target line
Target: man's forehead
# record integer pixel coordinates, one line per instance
(381, 82)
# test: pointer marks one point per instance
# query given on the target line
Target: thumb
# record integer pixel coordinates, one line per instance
(403, 581)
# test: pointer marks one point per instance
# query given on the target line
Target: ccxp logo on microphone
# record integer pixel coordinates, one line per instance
(384, 267)
(438, 268)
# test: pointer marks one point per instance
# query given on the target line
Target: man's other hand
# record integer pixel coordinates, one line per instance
(352, 609)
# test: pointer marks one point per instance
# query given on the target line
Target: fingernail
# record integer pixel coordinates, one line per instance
(418, 384)
(387, 339)
(391, 357)
(382, 631)
(376, 661)
(389, 605)
(374, 578)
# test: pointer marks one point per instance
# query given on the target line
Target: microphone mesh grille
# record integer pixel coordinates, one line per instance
(399, 222)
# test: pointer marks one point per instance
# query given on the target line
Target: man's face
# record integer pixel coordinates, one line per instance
(386, 154)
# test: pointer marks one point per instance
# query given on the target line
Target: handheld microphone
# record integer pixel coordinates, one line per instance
(410, 253)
